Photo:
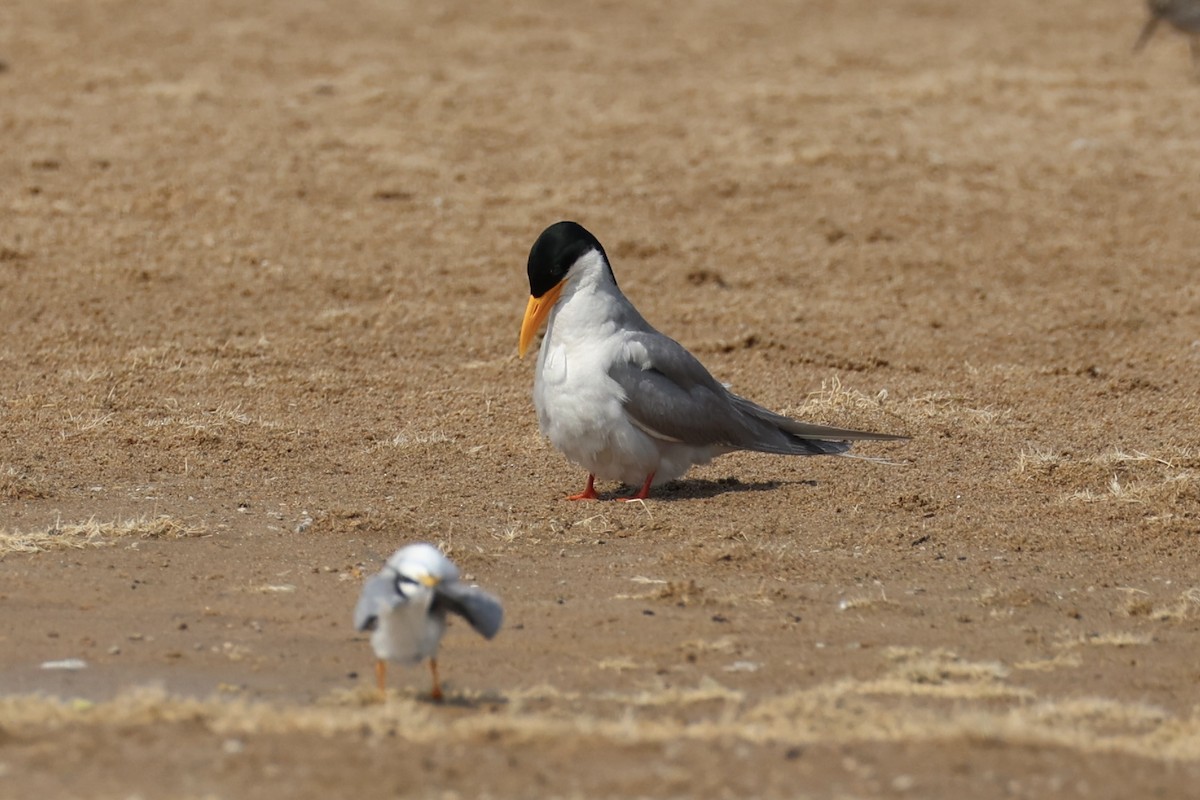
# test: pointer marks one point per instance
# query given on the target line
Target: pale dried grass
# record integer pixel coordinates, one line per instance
(908, 704)
(93, 533)
(1167, 483)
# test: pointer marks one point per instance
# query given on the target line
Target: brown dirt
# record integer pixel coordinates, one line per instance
(261, 273)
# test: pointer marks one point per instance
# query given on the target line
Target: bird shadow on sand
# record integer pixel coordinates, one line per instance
(701, 488)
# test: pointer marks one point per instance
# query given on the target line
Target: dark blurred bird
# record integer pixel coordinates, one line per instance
(1183, 15)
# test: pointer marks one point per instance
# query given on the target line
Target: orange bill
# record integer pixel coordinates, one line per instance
(535, 314)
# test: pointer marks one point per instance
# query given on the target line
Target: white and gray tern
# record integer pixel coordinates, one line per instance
(405, 605)
(621, 399)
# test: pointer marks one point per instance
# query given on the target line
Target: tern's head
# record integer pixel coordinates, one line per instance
(555, 252)
(412, 575)
(421, 565)
(551, 258)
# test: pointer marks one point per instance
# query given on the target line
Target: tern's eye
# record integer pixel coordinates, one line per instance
(403, 581)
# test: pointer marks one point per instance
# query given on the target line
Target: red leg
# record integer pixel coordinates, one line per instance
(436, 694)
(589, 493)
(381, 675)
(643, 493)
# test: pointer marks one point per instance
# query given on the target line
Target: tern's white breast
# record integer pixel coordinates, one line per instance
(408, 633)
(580, 408)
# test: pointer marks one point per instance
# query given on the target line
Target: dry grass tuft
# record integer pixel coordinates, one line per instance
(203, 423)
(682, 593)
(832, 396)
(834, 404)
(1100, 712)
(1013, 598)
(1109, 639)
(410, 437)
(1167, 484)
(941, 673)
(1184, 607)
(707, 691)
(82, 535)
(18, 484)
(724, 645)
(953, 410)
(1035, 460)
(1064, 660)
(865, 602)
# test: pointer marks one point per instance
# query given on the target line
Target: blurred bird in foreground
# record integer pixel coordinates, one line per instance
(1183, 15)
(405, 604)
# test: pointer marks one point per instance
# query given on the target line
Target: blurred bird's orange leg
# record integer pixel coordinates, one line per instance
(381, 675)
(436, 693)
(589, 493)
(643, 493)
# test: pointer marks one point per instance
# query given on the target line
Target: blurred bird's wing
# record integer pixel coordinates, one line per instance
(378, 594)
(1147, 32)
(1187, 18)
(477, 607)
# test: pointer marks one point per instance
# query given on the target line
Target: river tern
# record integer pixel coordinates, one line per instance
(624, 401)
(405, 604)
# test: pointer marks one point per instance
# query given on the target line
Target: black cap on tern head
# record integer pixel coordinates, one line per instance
(559, 246)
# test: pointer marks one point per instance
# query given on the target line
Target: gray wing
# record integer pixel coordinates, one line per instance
(671, 396)
(378, 593)
(477, 607)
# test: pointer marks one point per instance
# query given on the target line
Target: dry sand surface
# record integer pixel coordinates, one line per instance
(262, 267)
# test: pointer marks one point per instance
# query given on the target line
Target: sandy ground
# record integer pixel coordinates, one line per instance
(262, 267)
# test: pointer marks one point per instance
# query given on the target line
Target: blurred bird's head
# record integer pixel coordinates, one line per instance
(419, 568)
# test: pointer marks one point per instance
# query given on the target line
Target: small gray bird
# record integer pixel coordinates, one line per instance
(621, 399)
(405, 604)
(1183, 15)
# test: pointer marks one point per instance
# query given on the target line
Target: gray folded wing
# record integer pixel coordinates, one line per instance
(378, 594)
(671, 396)
(477, 607)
